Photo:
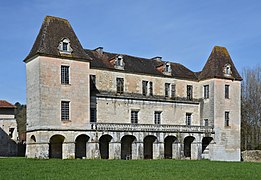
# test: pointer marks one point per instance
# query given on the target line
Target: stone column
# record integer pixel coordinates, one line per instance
(176, 150)
(195, 150)
(68, 150)
(137, 150)
(158, 150)
(92, 150)
(114, 150)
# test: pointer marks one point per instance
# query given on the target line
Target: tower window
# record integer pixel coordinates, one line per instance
(65, 110)
(189, 92)
(206, 91)
(120, 85)
(167, 89)
(157, 117)
(65, 74)
(188, 119)
(65, 46)
(226, 118)
(145, 88)
(134, 116)
(227, 70)
(227, 91)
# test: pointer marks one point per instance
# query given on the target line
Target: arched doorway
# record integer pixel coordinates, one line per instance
(205, 147)
(148, 146)
(168, 146)
(126, 146)
(80, 146)
(187, 145)
(104, 146)
(56, 146)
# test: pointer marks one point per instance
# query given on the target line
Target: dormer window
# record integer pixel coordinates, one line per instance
(167, 68)
(119, 64)
(65, 47)
(227, 70)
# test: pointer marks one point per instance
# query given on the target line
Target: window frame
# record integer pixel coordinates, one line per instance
(227, 117)
(120, 85)
(188, 119)
(206, 91)
(167, 89)
(189, 92)
(65, 74)
(134, 116)
(157, 117)
(227, 89)
(65, 110)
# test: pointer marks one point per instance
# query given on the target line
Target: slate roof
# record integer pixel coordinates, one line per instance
(5, 104)
(52, 32)
(213, 68)
(54, 29)
(138, 65)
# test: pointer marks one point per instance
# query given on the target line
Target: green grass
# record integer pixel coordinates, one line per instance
(21, 168)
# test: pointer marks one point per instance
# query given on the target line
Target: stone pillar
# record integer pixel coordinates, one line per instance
(176, 150)
(92, 150)
(137, 150)
(68, 150)
(158, 150)
(195, 150)
(114, 150)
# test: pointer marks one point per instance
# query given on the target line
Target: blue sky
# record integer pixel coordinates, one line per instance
(182, 31)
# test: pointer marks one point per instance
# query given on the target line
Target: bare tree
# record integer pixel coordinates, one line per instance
(251, 109)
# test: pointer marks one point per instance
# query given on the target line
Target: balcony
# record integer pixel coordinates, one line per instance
(150, 128)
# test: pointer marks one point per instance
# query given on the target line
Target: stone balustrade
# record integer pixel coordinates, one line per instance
(150, 127)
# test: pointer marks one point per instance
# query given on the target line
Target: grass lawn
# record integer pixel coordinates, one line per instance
(21, 168)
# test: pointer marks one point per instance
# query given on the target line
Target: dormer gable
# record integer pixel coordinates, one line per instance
(119, 62)
(65, 46)
(167, 68)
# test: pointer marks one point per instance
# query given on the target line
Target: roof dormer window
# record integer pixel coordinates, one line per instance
(167, 68)
(119, 64)
(227, 70)
(65, 46)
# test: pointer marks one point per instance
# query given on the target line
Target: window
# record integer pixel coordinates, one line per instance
(134, 116)
(93, 82)
(11, 130)
(120, 85)
(65, 110)
(189, 92)
(227, 70)
(227, 91)
(173, 90)
(119, 64)
(65, 74)
(151, 89)
(145, 88)
(206, 91)
(93, 114)
(167, 89)
(157, 117)
(226, 118)
(65, 46)
(167, 69)
(188, 119)
(206, 122)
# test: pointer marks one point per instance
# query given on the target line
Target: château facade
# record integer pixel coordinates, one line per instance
(85, 103)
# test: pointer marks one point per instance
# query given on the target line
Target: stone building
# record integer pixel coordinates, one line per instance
(85, 103)
(8, 129)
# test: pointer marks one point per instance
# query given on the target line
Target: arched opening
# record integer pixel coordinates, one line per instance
(56, 146)
(80, 146)
(148, 146)
(32, 139)
(126, 146)
(205, 147)
(187, 145)
(104, 146)
(168, 146)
